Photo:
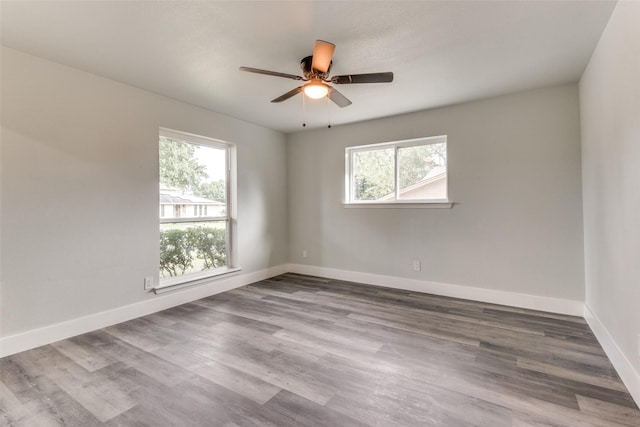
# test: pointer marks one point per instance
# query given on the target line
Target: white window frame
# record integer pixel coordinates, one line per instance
(171, 283)
(349, 199)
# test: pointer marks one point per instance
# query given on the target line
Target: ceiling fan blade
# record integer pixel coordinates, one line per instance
(288, 95)
(339, 99)
(363, 78)
(322, 54)
(271, 73)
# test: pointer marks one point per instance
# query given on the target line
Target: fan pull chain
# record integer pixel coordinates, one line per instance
(304, 112)
(329, 111)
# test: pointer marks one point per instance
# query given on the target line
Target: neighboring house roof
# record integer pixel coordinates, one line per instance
(170, 196)
(434, 176)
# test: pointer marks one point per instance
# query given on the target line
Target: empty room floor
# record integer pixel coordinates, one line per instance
(304, 351)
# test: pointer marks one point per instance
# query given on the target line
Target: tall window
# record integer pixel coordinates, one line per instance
(412, 171)
(194, 172)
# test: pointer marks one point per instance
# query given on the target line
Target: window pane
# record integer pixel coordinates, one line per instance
(409, 170)
(191, 176)
(373, 174)
(192, 186)
(190, 247)
(423, 172)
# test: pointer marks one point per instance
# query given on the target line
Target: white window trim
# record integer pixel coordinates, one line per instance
(200, 278)
(348, 197)
(174, 283)
(195, 139)
(430, 204)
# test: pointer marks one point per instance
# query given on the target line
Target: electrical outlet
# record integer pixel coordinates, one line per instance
(148, 283)
(416, 265)
(304, 253)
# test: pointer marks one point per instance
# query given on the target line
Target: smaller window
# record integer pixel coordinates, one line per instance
(411, 171)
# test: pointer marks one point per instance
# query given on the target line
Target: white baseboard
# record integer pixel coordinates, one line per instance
(628, 374)
(46, 335)
(513, 299)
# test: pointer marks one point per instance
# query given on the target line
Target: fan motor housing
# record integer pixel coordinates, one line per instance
(309, 73)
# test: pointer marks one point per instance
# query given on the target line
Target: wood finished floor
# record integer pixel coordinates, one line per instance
(303, 351)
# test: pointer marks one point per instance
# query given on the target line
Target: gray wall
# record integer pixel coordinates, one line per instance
(79, 182)
(514, 174)
(610, 118)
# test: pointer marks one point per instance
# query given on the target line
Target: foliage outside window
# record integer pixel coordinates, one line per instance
(194, 205)
(412, 171)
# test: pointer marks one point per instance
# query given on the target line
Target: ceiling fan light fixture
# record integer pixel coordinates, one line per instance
(315, 69)
(316, 90)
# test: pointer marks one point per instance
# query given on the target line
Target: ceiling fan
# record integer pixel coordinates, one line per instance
(315, 70)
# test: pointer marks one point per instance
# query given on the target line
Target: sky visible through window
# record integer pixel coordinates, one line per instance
(213, 161)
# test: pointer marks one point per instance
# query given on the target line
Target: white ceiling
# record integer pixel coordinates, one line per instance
(440, 52)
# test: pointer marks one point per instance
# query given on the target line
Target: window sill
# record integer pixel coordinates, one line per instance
(175, 283)
(401, 205)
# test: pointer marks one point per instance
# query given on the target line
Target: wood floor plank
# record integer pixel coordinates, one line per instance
(608, 412)
(303, 412)
(237, 410)
(150, 364)
(242, 383)
(84, 356)
(297, 350)
(276, 368)
(29, 399)
(428, 331)
(572, 374)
